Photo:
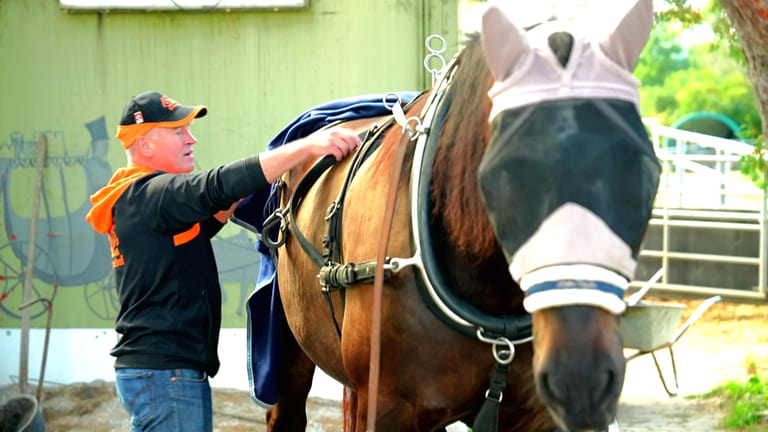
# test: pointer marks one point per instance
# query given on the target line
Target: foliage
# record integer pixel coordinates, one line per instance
(754, 165)
(727, 39)
(679, 79)
(679, 11)
(662, 56)
(747, 404)
(710, 76)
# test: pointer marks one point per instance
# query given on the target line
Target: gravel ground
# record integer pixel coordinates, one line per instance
(729, 342)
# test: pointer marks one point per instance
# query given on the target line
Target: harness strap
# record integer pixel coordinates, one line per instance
(304, 185)
(487, 419)
(276, 220)
(339, 276)
(332, 239)
(322, 260)
(378, 285)
(333, 275)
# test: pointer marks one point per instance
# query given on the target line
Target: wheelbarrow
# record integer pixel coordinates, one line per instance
(648, 327)
(21, 414)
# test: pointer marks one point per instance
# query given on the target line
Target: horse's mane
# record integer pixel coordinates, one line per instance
(463, 138)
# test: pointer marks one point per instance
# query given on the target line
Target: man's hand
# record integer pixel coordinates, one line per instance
(224, 215)
(337, 141)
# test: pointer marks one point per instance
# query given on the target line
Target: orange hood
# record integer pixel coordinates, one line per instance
(104, 199)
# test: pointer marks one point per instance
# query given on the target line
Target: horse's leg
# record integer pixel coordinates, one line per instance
(349, 409)
(391, 414)
(400, 415)
(289, 413)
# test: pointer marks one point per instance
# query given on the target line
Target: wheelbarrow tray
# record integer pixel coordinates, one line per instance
(647, 326)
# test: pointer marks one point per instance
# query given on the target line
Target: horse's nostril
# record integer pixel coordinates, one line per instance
(548, 392)
(610, 385)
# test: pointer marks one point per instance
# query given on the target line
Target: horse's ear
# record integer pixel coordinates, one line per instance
(624, 42)
(504, 43)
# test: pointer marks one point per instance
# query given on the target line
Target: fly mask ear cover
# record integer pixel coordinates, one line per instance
(570, 174)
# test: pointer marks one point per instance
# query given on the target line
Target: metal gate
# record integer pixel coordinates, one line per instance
(708, 225)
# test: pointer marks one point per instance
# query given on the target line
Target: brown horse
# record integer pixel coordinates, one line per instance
(540, 211)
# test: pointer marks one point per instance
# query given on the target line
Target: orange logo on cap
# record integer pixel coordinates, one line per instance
(168, 103)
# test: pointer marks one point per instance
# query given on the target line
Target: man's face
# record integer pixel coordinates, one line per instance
(172, 149)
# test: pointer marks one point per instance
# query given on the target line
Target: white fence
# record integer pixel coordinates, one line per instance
(706, 214)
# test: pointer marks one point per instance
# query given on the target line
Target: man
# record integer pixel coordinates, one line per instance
(160, 219)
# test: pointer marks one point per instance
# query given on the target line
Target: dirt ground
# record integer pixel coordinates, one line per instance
(729, 342)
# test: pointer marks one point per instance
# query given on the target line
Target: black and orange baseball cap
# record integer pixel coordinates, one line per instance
(153, 109)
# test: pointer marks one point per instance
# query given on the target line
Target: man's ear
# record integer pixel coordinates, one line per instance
(143, 146)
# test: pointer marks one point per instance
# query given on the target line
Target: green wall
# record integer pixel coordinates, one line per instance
(69, 74)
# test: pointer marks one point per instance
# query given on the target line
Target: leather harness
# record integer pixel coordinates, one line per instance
(502, 332)
(333, 275)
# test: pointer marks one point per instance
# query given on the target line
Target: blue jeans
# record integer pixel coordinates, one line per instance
(172, 400)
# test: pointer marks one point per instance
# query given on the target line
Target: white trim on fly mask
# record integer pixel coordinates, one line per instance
(574, 284)
(573, 234)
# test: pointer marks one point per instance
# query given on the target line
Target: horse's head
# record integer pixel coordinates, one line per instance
(569, 153)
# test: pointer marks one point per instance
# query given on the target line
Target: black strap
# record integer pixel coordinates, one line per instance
(304, 185)
(332, 239)
(333, 275)
(487, 419)
(269, 237)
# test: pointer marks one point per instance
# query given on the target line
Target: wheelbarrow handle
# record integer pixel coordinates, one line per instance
(706, 304)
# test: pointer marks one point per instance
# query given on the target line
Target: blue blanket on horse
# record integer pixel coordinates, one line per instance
(266, 318)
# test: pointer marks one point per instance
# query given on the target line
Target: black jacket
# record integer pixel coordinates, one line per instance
(165, 270)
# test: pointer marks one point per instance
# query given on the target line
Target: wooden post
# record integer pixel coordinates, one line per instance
(29, 272)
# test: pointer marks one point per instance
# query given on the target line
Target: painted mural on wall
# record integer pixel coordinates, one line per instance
(71, 265)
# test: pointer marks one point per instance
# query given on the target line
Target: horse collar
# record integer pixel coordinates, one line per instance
(452, 310)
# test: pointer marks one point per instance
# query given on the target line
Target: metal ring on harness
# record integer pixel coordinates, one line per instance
(503, 348)
(435, 53)
(275, 220)
(436, 37)
(397, 101)
(331, 210)
(413, 131)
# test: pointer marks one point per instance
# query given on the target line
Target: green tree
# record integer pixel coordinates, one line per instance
(707, 76)
(662, 56)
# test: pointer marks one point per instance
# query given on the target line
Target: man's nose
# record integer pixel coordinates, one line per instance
(189, 138)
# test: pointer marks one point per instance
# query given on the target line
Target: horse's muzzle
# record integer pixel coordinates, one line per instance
(578, 365)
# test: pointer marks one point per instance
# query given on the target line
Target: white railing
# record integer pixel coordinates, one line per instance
(702, 187)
